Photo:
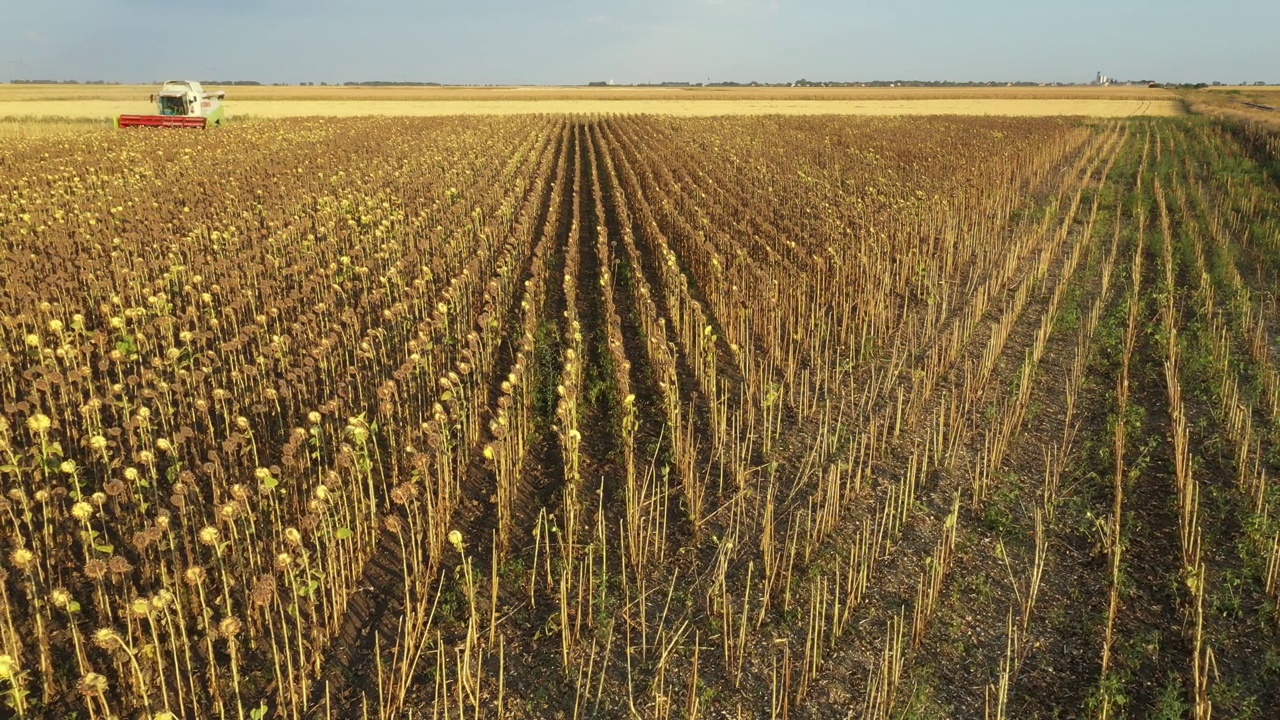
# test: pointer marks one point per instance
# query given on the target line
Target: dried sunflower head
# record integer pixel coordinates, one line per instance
(263, 590)
(161, 600)
(95, 569)
(119, 565)
(107, 639)
(39, 423)
(229, 628)
(209, 535)
(140, 608)
(22, 558)
(92, 684)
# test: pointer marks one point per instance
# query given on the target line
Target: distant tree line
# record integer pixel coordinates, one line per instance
(62, 82)
(1215, 83)
(390, 83)
(802, 82)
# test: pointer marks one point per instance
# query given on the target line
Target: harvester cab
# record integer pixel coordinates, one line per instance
(182, 104)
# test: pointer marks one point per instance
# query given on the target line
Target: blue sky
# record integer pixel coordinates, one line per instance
(576, 41)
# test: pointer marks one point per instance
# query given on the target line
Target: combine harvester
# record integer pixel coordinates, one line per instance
(180, 104)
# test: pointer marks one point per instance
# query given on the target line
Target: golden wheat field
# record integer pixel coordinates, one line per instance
(471, 93)
(640, 416)
(71, 101)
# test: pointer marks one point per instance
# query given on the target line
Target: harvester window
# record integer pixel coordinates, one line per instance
(173, 106)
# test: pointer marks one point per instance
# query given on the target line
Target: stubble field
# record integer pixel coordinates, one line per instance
(638, 416)
(1244, 104)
